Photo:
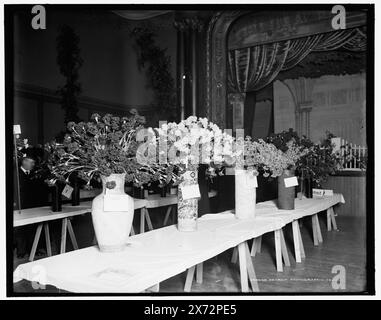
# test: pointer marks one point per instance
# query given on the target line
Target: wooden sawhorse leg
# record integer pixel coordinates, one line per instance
(246, 267)
(47, 239)
(190, 275)
(234, 258)
(142, 220)
(331, 220)
(316, 231)
(66, 226)
(256, 247)
(37, 236)
(35, 241)
(155, 288)
(281, 250)
(144, 216)
(148, 219)
(189, 279)
(167, 215)
(298, 242)
(301, 246)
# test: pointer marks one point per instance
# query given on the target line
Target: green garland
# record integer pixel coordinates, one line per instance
(69, 62)
(158, 71)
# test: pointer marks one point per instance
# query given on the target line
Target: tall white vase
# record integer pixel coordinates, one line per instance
(245, 194)
(112, 228)
(187, 210)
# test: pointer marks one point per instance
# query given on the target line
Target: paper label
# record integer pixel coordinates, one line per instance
(317, 193)
(328, 192)
(67, 191)
(251, 181)
(16, 129)
(290, 182)
(114, 202)
(191, 191)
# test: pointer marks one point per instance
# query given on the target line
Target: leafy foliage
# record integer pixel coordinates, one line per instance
(320, 161)
(69, 62)
(158, 65)
(102, 146)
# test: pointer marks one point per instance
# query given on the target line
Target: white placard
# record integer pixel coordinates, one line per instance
(191, 191)
(16, 129)
(317, 193)
(328, 192)
(251, 181)
(114, 202)
(67, 191)
(290, 182)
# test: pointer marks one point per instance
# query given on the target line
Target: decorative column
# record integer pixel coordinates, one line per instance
(188, 30)
(301, 90)
(304, 111)
(181, 76)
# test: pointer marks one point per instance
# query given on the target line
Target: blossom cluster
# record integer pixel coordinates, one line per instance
(102, 146)
(194, 141)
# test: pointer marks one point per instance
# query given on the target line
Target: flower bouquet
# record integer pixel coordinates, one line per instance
(318, 162)
(185, 146)
(284, 164)
(105, 148)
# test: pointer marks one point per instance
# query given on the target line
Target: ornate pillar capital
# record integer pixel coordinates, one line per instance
(189, 23)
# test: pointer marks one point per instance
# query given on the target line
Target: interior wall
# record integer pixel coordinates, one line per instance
(109, 73)
(338, 105)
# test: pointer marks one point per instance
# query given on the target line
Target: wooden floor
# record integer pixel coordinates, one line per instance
(345, 248)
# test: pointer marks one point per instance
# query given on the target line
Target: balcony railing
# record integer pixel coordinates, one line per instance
(354, 156)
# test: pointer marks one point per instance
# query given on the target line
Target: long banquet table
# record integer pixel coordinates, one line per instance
(155, 256)
(43, 215)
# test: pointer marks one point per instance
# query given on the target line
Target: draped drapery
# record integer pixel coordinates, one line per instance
(251, 69)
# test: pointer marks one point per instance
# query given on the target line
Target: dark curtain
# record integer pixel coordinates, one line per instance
(251, 69)
(249, 112)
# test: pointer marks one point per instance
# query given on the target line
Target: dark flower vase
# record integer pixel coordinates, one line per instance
(56, 198)
(75, 196)
(286, 196)
(163, 192)
(308, 185)
(139, 193)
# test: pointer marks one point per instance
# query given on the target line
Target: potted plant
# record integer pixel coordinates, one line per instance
(290, 153)
(318, 162)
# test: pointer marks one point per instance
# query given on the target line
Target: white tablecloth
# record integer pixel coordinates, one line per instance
(42, 214)
(160, 254)
(151, 258)
(303, 207)
(156, 201)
